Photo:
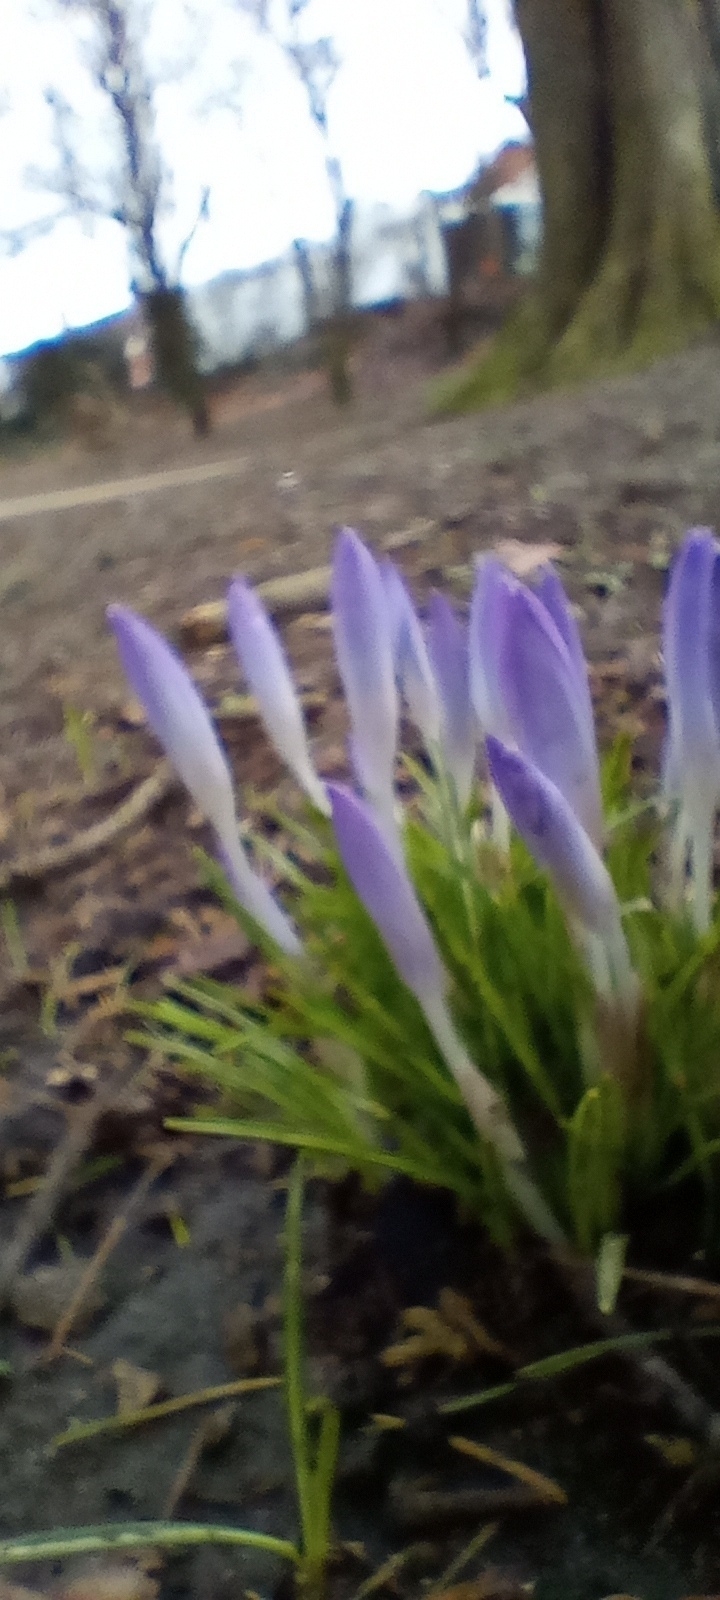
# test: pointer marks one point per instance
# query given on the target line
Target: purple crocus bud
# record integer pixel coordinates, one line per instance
(382, 884)
(556, 838)
(449, 655)
(364, 649)
(547, 707)
(181, 722)
(691, 647)
(412, 662)
(493, 585)
(265, 665)
(550, 591)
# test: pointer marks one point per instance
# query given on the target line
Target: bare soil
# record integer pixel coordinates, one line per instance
(609, 477)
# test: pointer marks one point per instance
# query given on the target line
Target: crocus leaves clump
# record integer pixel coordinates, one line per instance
(504, 985)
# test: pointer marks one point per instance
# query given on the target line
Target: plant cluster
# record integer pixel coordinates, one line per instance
(508, 988)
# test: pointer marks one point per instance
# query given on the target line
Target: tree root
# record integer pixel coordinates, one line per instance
(57, 858)
(44, 1203)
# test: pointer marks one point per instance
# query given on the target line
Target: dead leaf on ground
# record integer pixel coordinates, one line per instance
(122, 1582)
(452, 1331)
(136, 1388)
(205, 956)
(39, 1298)
(523, 558)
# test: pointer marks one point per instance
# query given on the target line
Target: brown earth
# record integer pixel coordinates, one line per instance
(611, 476)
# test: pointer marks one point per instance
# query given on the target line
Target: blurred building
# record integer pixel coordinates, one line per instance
(448, 246)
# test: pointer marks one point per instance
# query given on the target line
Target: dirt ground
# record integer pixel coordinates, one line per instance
(605, 479)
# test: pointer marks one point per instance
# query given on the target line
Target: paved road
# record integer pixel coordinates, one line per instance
(28, 505)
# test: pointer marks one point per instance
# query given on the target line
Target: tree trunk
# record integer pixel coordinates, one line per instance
(630, 263)
(174, 345)
(338, 331)
(305, 273)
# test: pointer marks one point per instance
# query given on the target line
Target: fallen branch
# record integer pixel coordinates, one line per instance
(41, 1208)
(57, 858)
(112, 1237)
(207, 624)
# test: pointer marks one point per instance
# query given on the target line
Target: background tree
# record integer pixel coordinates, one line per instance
(316, 62)
(134, 188)
(620, 96)
(475, 36)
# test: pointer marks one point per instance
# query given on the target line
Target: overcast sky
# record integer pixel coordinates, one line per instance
(407, 113)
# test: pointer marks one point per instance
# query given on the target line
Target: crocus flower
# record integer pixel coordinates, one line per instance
(556, 838)
(364, 649)
(448, 651)
(493, 585)
(543, 686)
(550, 591)
(382, 884)
(181, 722)
(381, 881)
(691, 647)
(264, 663)
(412, 662)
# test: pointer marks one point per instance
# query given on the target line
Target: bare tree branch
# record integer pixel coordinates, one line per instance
(14, 240)
(202, 215)
(133, 190)
(316, 63)
(475, 36)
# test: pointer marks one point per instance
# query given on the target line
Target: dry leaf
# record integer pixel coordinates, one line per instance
(39, 1298)
(205, 956)
(523, 558)
(136, 1388)
(126, 1582)
(675, 1452)
(452, 1331)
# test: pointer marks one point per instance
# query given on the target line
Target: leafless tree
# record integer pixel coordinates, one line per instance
(475, 36)
(316, 62)
(134, 188)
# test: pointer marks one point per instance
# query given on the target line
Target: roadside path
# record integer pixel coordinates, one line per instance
(28, 505)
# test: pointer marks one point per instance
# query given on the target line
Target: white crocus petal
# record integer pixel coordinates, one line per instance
(265, 665)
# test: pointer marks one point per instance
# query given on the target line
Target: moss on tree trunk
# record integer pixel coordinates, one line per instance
(630, 264)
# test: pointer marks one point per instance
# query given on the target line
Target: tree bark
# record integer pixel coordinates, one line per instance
(174, 345)
(630, 263)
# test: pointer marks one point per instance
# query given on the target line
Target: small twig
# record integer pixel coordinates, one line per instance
(41, 1208)
(384, 1576)
(545, 1488)
(674, 1283)
(414, 1506)
(57, 858)
(211, 1431)
(118, 1227)
(463, 1558)
(80, 1431)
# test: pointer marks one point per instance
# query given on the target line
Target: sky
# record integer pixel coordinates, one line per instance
(407, 112)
